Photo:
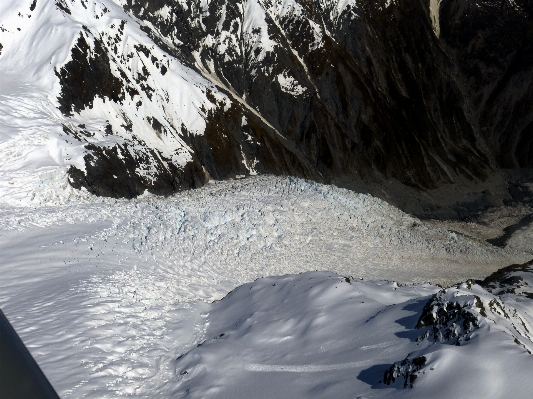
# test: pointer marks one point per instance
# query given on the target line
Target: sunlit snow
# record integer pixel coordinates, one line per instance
(130, 297)
(105, 292)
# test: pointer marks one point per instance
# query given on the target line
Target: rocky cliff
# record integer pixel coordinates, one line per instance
(424, 103)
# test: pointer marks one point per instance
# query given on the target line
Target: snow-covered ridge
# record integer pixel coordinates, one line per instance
(318, 333)
(123, 100)
(142, 95)
(157, 100)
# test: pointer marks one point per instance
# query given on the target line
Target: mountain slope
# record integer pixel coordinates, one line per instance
(374, 96)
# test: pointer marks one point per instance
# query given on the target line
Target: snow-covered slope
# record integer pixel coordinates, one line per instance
(121, 107)
(317, 335)
(105, 292)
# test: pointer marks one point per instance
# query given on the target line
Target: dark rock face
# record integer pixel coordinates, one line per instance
(408, 370)
(355, 97)
(491, 43)
(87, 76)
(62, 6)
(379, 96)
(112, 172)
(449, 320)
(513, 279)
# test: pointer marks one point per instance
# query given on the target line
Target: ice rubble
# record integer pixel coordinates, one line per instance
(106, 292)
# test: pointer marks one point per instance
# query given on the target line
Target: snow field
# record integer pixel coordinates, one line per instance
(307, 335)
(108, 293)
(317, 335)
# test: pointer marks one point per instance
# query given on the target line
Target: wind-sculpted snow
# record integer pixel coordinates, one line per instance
(319, 334)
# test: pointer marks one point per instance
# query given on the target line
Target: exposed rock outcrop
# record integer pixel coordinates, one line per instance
(431, 97)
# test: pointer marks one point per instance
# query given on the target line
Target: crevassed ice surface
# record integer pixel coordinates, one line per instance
(108, 293)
